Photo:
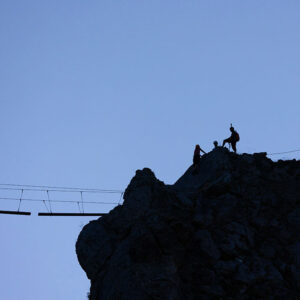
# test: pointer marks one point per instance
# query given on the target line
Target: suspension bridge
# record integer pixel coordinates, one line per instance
(53, 197)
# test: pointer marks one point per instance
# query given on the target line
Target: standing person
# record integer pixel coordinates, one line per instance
(197, 155)
(233, 139)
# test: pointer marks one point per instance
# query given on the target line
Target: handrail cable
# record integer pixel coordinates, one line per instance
(63, 191)
(59, 188)
(53, 200)
(285, 152)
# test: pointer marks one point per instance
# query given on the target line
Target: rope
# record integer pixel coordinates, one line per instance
(46, 205)
(49, 201)
(120, 198)
(82, 201)
(20, 201)
(63, 191)
(277, 153)
(58, 201)
(59, 188)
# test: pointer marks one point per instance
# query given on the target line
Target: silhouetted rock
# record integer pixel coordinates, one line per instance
(230, 231)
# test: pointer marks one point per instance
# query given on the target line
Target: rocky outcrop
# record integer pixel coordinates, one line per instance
(227, 230)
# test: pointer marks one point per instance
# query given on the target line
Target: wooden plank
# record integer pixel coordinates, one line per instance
(11, 212)
(41, 214)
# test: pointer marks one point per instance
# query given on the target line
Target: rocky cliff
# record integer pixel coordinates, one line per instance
(228, 230)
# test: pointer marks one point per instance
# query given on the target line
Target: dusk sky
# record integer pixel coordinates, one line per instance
(91, 91)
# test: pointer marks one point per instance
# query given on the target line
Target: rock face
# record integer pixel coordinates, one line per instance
(228, 230)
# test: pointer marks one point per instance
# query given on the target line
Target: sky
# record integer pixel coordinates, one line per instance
(91, 91)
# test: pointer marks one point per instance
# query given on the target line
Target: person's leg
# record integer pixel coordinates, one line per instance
(226, 141)
(196, 159)
(233, 144)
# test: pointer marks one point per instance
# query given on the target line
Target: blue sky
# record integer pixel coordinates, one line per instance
(90, 91)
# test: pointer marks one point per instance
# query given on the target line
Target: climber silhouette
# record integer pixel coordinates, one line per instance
(196, 159)
(233, 139)
(197, 155)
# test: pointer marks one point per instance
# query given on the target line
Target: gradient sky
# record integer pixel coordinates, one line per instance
(90, 91)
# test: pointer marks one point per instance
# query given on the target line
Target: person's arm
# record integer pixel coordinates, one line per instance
(203, 151)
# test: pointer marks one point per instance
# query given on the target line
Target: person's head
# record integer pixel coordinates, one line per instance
(197, 147)
(216, 144)
(232, 129)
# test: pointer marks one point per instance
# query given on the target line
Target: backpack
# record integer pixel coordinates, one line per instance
(237, 136)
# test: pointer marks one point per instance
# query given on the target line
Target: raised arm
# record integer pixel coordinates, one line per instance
(202, 151)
